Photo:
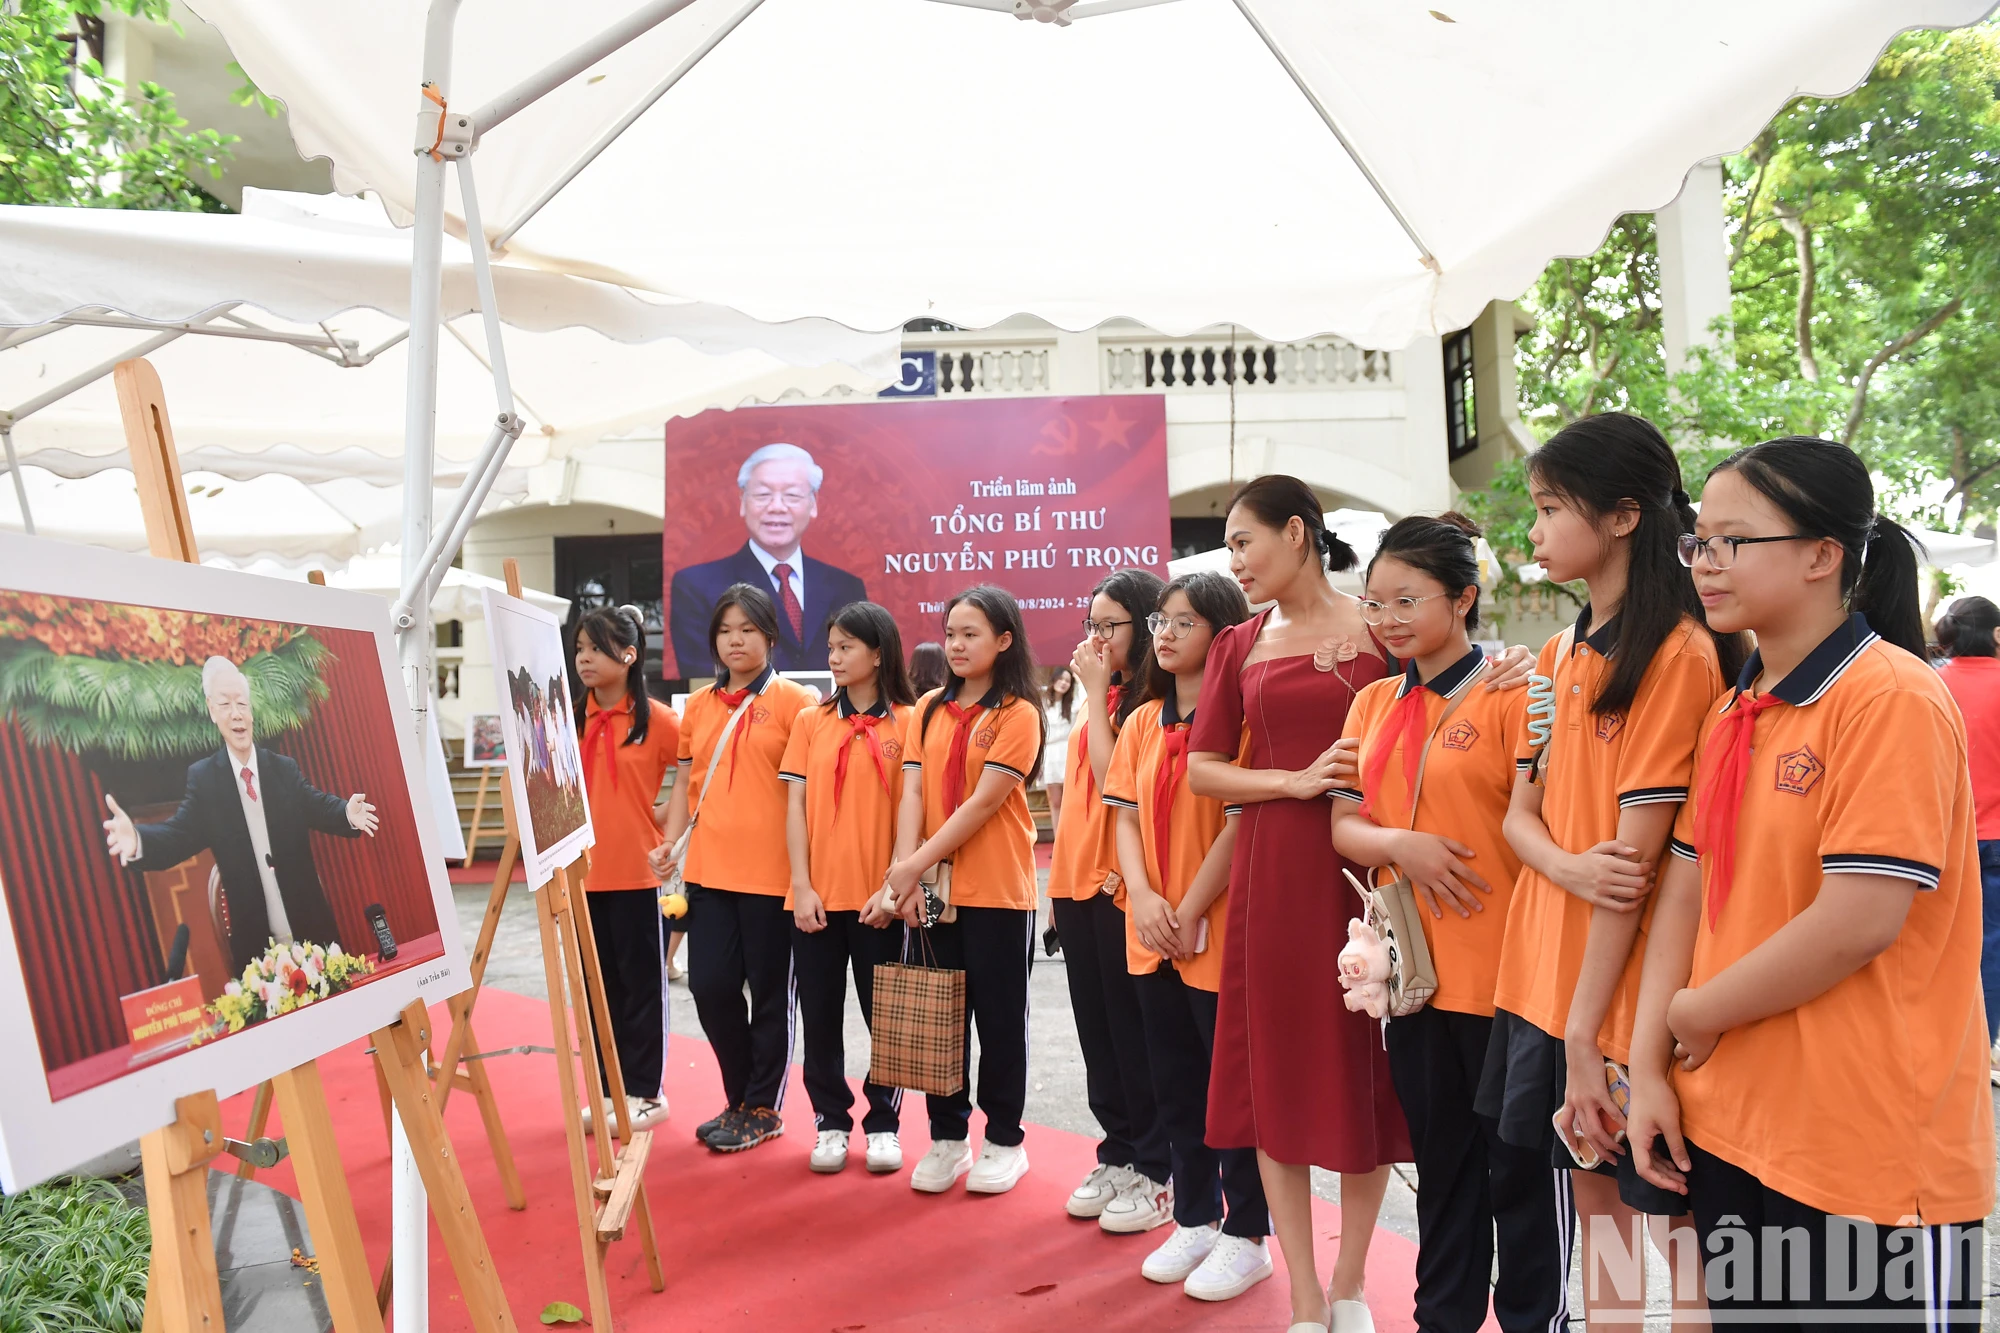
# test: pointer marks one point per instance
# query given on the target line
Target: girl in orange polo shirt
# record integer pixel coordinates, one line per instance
(1603, 771)
(1436, 719)
(1128, 1190)
(1175, 848)
(1809, 1063)
(738, 870)
(971, 746)
(629, 743)
(844, 770)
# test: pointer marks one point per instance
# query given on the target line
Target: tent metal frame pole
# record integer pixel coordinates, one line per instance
(554, 75)
(12, 417)
(311, 341)
(20, 486)
(625, 122)
(468, 512)
(438, 552)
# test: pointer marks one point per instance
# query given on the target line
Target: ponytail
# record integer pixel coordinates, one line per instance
(1277, 499)
(1887, 593)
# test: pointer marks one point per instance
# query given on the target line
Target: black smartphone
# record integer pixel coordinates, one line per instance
(378, 921)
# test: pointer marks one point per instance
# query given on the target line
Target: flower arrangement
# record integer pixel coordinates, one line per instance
(287, 977)
(126, 679)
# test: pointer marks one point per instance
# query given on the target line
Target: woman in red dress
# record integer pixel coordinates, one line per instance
(1296, 1075)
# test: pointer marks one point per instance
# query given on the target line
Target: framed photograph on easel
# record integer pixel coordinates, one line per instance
(538, 721)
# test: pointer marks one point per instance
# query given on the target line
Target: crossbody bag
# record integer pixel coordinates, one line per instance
(675, 879)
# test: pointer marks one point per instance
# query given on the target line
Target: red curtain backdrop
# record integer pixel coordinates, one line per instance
(83, 925)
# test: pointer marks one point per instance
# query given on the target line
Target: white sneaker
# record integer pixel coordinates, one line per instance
(1144, 1203)
(885, 1152)
(939, 1168)
(1098, 1189)
(998, 1170)
(644, 1112)
(1233, 1267)
(830, 1153)
(1351, 1317)
(1181, 1255)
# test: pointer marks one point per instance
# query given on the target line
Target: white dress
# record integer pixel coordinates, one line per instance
(1055, 752)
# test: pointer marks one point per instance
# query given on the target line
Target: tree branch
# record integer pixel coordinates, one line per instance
(1808, 279)
(1737, 250)
(1887, 353)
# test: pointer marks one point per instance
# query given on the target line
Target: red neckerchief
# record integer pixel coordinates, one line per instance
(734, 700)
(1408, 717)
(859, 724)
(1113, 696)
(954, 764)
(1173, 767)
(1719, 798)
(597, 736)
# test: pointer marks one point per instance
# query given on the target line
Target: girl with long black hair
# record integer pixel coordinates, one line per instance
(1129, 1189)
(843, 768)
(1817, 931)
(1970, 635)
(629, 741)
(971, 745)
(1603, 771)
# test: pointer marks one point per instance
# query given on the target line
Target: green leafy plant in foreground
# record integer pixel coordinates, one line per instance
(73, 1259)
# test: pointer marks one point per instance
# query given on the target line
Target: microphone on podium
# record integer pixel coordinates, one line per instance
(177, 954)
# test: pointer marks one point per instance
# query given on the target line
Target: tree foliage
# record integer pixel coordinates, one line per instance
(71, 136)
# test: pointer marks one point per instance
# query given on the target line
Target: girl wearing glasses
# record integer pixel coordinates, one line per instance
(1437, 774)
(1603, 770)
(1824, 941)
(1127, 1191)
(1175, 848)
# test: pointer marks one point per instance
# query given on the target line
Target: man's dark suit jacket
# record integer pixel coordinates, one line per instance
(211, 818)
(698, 588)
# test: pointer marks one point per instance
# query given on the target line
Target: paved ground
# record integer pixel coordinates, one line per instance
(1055, 1070)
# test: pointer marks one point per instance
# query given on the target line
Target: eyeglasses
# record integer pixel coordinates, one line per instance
(1103, 629)
(1402, 609)
(1721, 551)
(1177, 628)
(763, 499)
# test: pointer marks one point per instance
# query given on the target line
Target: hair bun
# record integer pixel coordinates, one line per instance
(1452, 518)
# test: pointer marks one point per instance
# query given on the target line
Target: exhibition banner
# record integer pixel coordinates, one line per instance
(905, 504)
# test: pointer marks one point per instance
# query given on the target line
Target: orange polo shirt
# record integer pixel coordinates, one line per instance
(739, 837)
(623, 782)
(1193, 823)
(1468, 782)
(1086, 847)
(995, 867)
(1872, 1099)
(850, 818)
(1598, 766)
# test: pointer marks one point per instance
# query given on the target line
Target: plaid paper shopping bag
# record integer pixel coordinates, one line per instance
(918, 1029)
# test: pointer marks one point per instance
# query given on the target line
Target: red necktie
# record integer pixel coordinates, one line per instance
(860, 724)
(1726, 767)
(1112, 698)
(793, 611)
(1173, 767)
(1406, 718)
(954, 764)
(249, 782)
(734, 700)
(597, 737)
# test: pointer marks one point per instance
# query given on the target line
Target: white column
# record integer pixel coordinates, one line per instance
(1694, 264)
(1426, 460)
(1074, 368)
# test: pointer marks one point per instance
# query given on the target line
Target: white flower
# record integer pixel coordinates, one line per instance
(298, 953)
(333, 950)
(232, 988)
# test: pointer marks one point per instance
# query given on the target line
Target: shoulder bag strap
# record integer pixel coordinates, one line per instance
(721, 744)
(1465, 692)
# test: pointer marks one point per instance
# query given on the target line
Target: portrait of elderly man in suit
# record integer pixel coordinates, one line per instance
(255, 810)
(779, 489)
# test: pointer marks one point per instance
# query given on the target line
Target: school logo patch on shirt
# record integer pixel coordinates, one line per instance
(760, 714)
(1609, 725)
(892, 749)
(1799, 772)
(985, 737)
(1460, 736)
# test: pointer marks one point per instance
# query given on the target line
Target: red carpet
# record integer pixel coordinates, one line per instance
(757, 1242)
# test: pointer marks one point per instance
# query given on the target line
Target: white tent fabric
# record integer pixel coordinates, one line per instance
(461, 596)
(312, 265)
(875, 162)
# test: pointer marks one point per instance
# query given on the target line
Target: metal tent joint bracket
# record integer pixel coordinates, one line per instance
(442, 134)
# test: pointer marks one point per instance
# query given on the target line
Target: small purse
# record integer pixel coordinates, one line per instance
(936, 886)
(674, 880)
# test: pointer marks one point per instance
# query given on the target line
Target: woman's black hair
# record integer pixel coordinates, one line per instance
(874, 626)
(1277, 499)
(1616, 460)
(928, 667)
(1824, 489)
(615, 632)
(1138, 592)
(1967, 629)
(755, 604)
(1067, 699)
(1013, 670)
(1216, 598)
(1442, 547)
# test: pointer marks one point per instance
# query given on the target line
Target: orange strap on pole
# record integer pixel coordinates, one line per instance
(430, 91)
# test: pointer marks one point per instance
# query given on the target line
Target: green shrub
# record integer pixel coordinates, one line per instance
(73, 1259)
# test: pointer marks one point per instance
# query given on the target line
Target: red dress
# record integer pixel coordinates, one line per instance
(1294, 1072)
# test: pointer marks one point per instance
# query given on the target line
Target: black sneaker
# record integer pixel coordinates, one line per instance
(746, 1130)
(708, 1127)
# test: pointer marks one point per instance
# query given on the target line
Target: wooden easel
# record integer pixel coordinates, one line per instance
(184, 1294)
(480, 830)
(614, 1194)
